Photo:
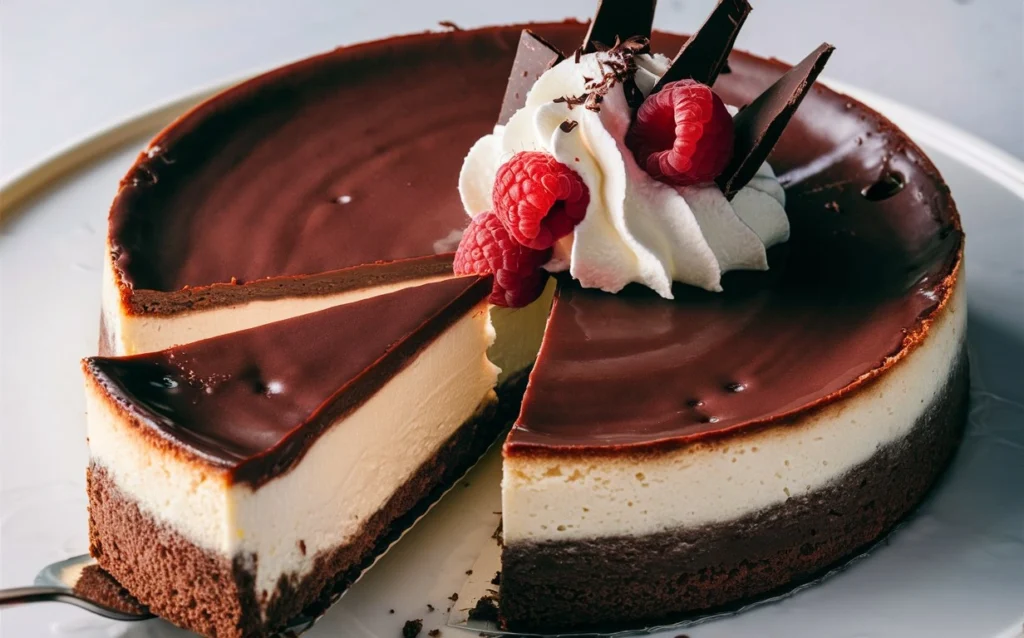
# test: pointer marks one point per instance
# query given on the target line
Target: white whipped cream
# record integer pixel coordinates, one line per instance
(636, 229)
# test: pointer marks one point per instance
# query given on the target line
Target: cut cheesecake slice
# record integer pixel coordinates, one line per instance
(232, 481)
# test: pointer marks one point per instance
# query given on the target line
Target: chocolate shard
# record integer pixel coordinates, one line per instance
(534, 56)
(705, 54)
(619, 18)
(759, 126)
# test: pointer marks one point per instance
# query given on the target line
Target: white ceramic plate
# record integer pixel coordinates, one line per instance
(956, 569)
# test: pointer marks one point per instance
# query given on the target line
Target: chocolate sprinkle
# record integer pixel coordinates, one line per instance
(706, 53)
(617, 64)
(761, 123)
(568, 126)
(619, 20)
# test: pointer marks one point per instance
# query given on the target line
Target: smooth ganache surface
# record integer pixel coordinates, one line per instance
(254, 401)
(251, 185)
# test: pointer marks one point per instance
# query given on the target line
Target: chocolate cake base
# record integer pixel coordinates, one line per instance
(215, 596)
(611, 583)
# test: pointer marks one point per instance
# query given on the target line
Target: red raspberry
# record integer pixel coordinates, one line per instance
(683, 134)
(486, 247)
(539, 199)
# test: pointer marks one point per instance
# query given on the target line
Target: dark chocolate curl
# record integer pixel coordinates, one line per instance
(705, 54)
(534, 56)
(759, 126)
(619, 18)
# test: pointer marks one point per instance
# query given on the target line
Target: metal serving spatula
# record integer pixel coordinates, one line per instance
(80, 581)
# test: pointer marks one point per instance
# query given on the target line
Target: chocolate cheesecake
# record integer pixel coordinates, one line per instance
(233, 481)
(678, 450)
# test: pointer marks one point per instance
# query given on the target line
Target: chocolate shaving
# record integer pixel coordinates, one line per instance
(759, 126)
(448, 24)
(706, 53)
(533, 57)
(568, 126)
(617, 64)
(621, 19)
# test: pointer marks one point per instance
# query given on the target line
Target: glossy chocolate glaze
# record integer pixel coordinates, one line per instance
(244, 186)
(865, 267)
(253, 401)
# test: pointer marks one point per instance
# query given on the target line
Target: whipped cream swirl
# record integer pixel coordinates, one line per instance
(636, 229)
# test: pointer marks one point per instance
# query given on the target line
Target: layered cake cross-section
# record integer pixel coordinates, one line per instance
(234, 480)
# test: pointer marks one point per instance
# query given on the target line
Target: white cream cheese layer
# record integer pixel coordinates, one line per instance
(636, 228)
(575, 497)
(348, 474)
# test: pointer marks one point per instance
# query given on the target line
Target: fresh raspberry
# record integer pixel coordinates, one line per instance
(539, 199)
(683, 134)
(486, 248)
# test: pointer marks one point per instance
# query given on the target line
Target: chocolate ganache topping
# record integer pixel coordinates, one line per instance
(249, 186)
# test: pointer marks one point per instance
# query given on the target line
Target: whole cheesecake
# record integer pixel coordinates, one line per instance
(671, 455)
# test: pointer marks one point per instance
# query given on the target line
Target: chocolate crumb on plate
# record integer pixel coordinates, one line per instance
(485, 609)
(497, 579)
(430, 608)
(454, 597)
(434, 633)
(412, 628)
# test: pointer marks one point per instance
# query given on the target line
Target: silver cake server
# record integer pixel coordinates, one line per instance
(78, 581)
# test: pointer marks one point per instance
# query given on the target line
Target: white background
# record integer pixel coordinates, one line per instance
(68, 67)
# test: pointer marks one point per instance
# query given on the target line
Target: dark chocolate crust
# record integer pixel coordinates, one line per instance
(252, 402)
(633, 581)
(215, 596)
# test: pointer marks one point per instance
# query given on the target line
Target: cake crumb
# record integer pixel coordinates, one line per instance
(469, 572)
(486, 609)
(434, 633)
(302, 546)
(497, 579)
(391, 611)
(412, 628)
(430, 608)
(454, 597)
